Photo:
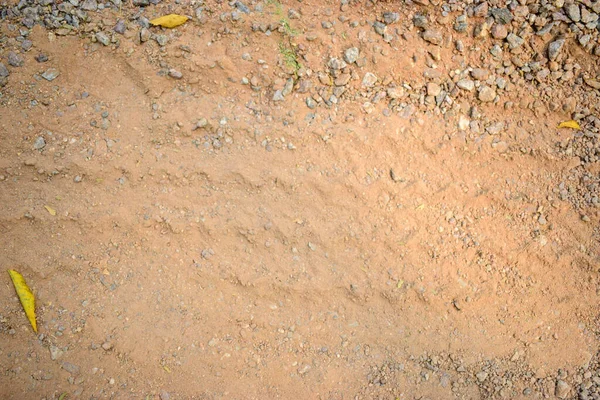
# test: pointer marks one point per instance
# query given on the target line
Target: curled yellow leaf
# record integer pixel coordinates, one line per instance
(50, 210)
(169, 21)
(569, 124)
(25, 296)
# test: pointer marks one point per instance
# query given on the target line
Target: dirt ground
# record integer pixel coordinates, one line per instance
(214, 242)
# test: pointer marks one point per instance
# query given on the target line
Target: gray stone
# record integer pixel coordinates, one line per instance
(502, 15)
(39, 143)
(3, 71)
(460, 24)
(433, 37)
(395, 92)
(573, 12)
(486, 94)
(14, 59)
(496, 51)
(242, 7)
(390, 17)
(481, 376)
(369, 79)
(288, 87)
(162, 40)
(311, 103)
(336, 64)
(351, 55)
(27, 44)
(103, 38)
(50, 74)
(466, 84)
(41, 58)
(514, 41)
(278, 96)
(420, 21)
(145, 35)
(379, 28)
(70, 368)
(173, 73)
(120, 27)
(55, 353)
(562, 389)
(89, 5)
(587, 16)
(554, 48)
(141, 3)
(164, 395)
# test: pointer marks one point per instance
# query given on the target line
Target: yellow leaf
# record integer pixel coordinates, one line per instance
(51, 210)
(25, 295)
(167, 368)
(169, 21)
(569, 124)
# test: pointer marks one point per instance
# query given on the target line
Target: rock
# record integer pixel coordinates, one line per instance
(70, 368)
(514, 41)
(466, 84)
(573, 12)
(496, 51)
(162, 40)
(89, 5)
(395, 92)
(369, 79)
(461, 24)
(77, 179)
(431, 73)
(463, 123)
(342, 80)
(554, 48)
(380, 28)
(486, 94)
(14, 59)
(502, 15)
(173, 73)
(481, 376)
(164, 395)
(3, 71)
(351, 55)
(311, 103)
(588, 17)
(108, 345)
(55, 353)
(433, 37)
(480, 74)
(288, 87)
(481, 10)
(562, 389)
(145, 35)
(103, 38)
(202, 123)
(433, 89)
(593, 83)
(39, 143)
(499, 31)
(420, 21)
(243, 8)
(50, 74)
(41, 58)
(141, 3)
(303, 370)
(26, 45)
(278, 96)
(120, 27)
(336, 64)
(390, 17)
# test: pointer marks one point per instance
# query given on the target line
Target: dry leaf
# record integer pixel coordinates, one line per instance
(569, 124)
(169, 21)
(25, 295)
(51, 210)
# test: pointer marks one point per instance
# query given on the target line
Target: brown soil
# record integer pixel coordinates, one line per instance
(270, 254)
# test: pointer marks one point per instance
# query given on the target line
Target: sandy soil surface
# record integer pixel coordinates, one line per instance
(300, 200)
